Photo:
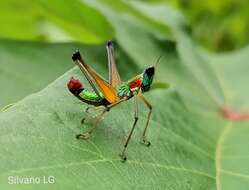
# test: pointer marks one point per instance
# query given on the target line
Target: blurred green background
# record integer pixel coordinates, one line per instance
(221, 25)
(216, 26)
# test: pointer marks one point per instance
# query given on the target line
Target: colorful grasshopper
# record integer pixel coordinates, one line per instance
(112, 92)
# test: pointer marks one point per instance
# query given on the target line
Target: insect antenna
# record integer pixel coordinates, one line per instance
(158, 60)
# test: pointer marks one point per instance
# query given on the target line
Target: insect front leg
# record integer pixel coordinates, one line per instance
(144, 138)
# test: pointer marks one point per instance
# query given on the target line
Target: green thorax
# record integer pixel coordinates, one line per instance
(90, 96)
(124, 90)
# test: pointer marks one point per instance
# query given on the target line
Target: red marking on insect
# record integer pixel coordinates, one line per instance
(234, 115)
(135, 84)
(74, 84)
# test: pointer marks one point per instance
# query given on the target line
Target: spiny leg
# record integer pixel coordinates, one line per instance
(87, 134)
(144, 138)
(122, 155)
(86, 110)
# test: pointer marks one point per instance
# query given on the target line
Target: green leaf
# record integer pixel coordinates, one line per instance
(181, 59)
(207, 87)
(77, 19)
(53, 21)
(188, 148)
(234, 84)
(199, 140)
(19, 27)
(23, 72)
(38, 134)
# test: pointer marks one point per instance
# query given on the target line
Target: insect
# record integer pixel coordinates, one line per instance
(112, 92)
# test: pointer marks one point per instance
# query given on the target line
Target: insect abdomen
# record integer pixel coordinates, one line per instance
(90, 96)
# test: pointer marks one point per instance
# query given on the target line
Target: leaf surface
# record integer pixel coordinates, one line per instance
(195, 144)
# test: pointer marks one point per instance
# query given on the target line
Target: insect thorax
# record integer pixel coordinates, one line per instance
(129, 89)
(124, 90)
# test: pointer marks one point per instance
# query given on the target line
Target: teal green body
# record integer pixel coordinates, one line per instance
(124, 90)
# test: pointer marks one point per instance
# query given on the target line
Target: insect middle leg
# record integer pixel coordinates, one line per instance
(87, 134)
(87, 110)
(84, 118)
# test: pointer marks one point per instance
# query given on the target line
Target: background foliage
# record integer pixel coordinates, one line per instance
(218, 25)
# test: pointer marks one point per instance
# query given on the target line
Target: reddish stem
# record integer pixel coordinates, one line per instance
(234, 115)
